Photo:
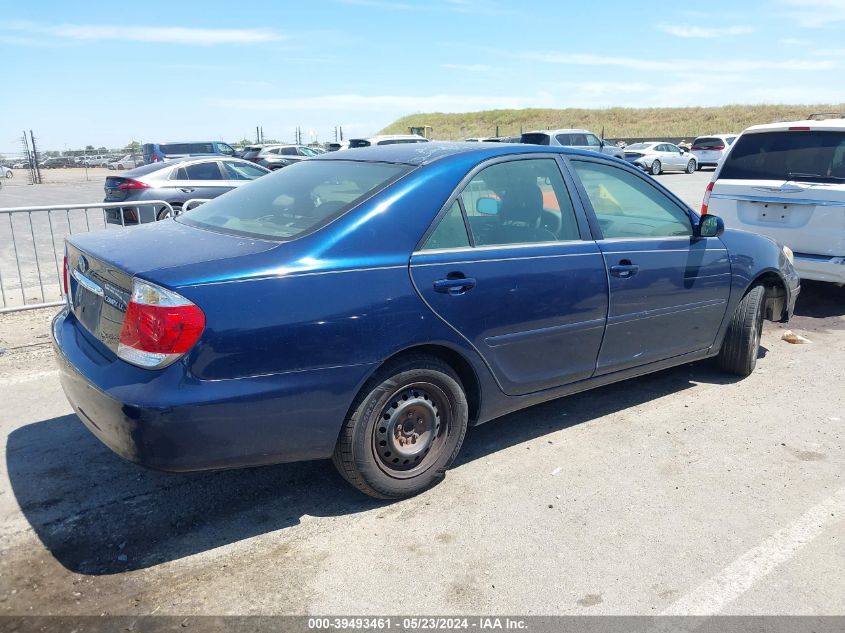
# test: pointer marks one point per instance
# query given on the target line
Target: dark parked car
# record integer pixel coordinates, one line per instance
(58, 162)
(369, 305)
(175, 183)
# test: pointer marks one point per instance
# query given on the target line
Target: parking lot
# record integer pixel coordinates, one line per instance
(683, 492)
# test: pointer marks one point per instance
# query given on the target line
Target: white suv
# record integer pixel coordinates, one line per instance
(710, 150)
(787, 181)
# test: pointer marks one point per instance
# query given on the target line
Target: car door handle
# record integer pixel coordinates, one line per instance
(456, 286)
(624, 269)
(186, 189)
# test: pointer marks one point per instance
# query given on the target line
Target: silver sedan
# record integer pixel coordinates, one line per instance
(656, 157)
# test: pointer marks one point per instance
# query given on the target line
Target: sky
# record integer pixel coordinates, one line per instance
(105, 73)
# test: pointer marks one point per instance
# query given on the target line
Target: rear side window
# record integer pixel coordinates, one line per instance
(815, 156)
(294, 200)
(535, 138)
(451, 232)
(288, 151)
(188, 148)
(358, 142)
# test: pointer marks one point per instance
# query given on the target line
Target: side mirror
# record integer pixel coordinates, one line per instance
(710, 226)
(487, 206)
(683, 151)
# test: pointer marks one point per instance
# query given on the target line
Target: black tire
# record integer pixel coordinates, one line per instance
(656, 168)
(416, 398)
(691, 167)
(742, 340)
(164, 213)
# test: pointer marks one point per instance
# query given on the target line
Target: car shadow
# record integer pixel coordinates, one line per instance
(98, 514)
(820, 300)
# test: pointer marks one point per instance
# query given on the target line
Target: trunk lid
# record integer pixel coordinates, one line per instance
(101, 266)
(807, 217)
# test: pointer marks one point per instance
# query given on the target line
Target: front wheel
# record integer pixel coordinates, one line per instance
(405, 428)
(691, 167)
(165, 213)
(656, 168)
(742, 340)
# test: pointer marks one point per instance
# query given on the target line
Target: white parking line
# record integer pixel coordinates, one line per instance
(738, 577)
(18, 380)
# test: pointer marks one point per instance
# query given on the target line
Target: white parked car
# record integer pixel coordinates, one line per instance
(656, 157)
(6, 172)
(787, 181)
(710, 150)
(130, 161)
(386, 139)
(571, 137)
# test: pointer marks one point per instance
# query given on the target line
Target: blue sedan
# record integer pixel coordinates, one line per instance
(370, 305)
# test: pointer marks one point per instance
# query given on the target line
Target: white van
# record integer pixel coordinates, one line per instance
(787, 181)
(386, 139)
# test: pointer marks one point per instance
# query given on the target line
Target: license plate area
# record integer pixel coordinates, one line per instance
(773, 213)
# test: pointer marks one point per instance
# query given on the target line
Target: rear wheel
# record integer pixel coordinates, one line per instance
(742, 340)
(691, 167)
(165, 213)
(405, 429)
(656, 168)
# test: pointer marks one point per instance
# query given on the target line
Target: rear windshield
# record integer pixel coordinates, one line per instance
(811, 156)
(708, 143)
(294, 200)
(188, 148)
(639, 146)
(535, 138)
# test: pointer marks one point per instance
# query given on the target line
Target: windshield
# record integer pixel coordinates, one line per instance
(817, 156)
(294, 200)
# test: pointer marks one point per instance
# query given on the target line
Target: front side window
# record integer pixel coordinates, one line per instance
(519, 202)
(288, 151)
(294, 200)
(627, 206)
(593, 140)
(225, 149)
(242, 171)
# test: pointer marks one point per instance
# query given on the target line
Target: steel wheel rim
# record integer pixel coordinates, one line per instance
(411, 430)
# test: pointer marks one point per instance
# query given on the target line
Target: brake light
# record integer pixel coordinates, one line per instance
(65, 283)
(706, 202)
(160, 326)
(128, 183)
(799, 128)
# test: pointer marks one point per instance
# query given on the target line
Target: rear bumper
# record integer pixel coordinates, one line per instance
(169, 421)
(820, 268)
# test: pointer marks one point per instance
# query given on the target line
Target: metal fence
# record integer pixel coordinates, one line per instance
(32, 245)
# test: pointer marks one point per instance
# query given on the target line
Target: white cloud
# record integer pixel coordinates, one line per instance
(703, 32)
(678, 65)
(795, 41)
(427, 103)
(472, 7)
(168, 34)
(815, 13)
(472, 68)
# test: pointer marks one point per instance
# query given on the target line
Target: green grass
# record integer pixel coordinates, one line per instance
(617, 122)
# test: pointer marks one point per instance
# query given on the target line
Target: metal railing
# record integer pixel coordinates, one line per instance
(32, 245)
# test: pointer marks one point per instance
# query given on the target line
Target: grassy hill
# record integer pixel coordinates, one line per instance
(617, 122)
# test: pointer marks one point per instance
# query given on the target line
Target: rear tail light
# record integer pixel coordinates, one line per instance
(128, 184)
(717, 148)
(706, 202)
(160, 326)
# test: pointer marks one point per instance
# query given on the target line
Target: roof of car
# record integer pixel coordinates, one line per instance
(425, 153)
(563, 130)
(813, 124)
